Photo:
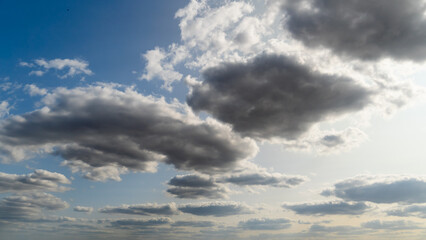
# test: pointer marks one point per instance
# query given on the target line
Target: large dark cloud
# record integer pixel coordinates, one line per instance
(328, 208)
(197, 224)
(366, 30)
(28, 206)
(143, 209)
(38, 180)
(103, 126)
(217, 209)
(274, 96)
(265, 224)
(196, 186)
(380, 189)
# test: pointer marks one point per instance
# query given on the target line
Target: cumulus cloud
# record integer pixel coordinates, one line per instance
(4, 108)
(101, 126)
(328, 142)
(83, 209)
(216, 209)
(72, 67)
(38, 180)
(265, 224)
(273, 96)
(33, 90)
(390, 225)
(366, 30)
(156, 66)
(263, 178)
(140, 223)
(380, 189)
(328, 208)
(29, 206)
(340, 230)
(197, 224)
(143, 209)
(196, 186)
(412, 210)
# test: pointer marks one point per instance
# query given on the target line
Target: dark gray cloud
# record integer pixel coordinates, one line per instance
(217, 209)
(264, 179)
(265, 224)
(38, 180)
(143, 209)
(197, 224)
(140, 223)
(365, 30)
(390, 225)
(29, 206)
(101, 126)
(196, 186)
(83, 209)
(412, 210)
(274, 96)
(380, 189)
(328, 208)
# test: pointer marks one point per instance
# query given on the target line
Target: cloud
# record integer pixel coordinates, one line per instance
(366, 30)
(340, 230)
(216, 209)
(264, 178)
(100, 126)
(328, 142)
(142, 209)
(157, 67)
(328, 208)
(197, 224)
(390, 225)
(273, 96)
(83, 209)
(140, 223)
(38, 180)
(28, 206)
(196, 186)
(265, 224)
(380, 189)
(73, 66)
(414, 210)
(33, 90)
(4, 108)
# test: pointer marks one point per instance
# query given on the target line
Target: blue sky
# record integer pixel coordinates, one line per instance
(202, 119)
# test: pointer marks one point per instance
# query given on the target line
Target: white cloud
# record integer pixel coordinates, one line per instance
(33, 90)
(67, 67)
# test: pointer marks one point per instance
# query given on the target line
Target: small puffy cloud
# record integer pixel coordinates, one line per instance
(38, 180)
(29, 206)
(328, 142)
(140, 223)
(83, 209)
(157, 67)
(71, 67)
(328, 208)
(33, 90)
(412, 210)
(264, 178)
(265, 224)
(103, 128)
(273, 96)
(196, 186)
(196, 224)
(216, 209)
(380, 189)
(390, 225)
(143, 209)
(366, 30)
(4, 108)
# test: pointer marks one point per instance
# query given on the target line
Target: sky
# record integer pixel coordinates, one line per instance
(203, 119)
